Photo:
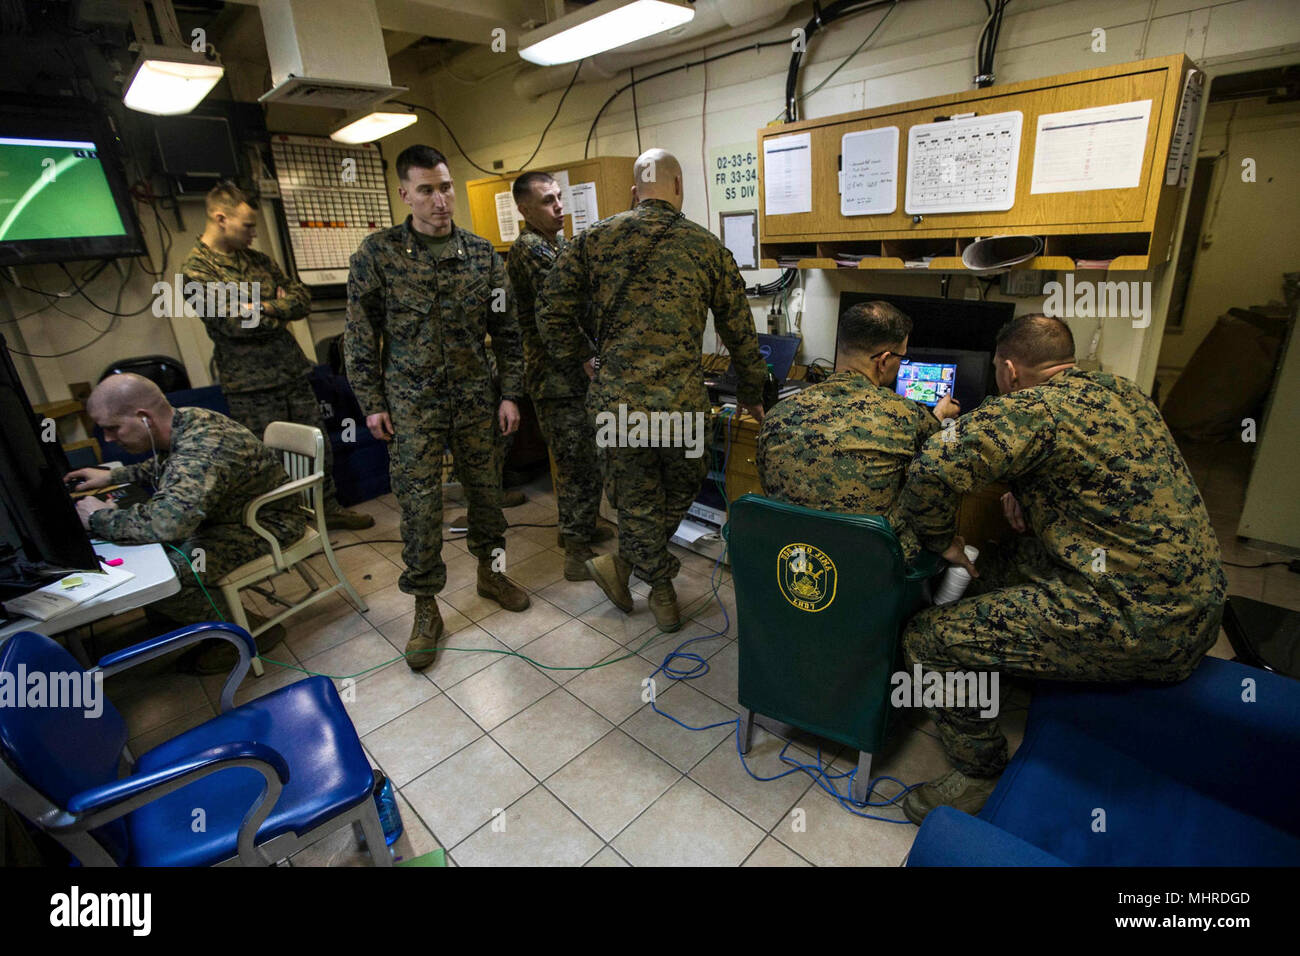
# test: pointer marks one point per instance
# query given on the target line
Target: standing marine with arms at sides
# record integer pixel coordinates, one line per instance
(1119, 577)
(844, 444)
(558, 391)
(652, 277)
(423, 297)
(263, 371)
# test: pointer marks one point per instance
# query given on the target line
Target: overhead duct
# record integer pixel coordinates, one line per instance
(327, 53)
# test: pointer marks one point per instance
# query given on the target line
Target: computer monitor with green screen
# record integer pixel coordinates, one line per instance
(62, 195)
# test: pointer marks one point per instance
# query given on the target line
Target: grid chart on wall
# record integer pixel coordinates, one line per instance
(330, 204)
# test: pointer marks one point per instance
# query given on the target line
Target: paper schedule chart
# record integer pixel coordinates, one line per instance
(787, 174)
(966, 164)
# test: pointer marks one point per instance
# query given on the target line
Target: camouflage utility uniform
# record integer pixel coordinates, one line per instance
(200, 486)
(558, 392)
(263, 370)
(650, 354)
(415, 346)
(844, 445)
(1121, 578)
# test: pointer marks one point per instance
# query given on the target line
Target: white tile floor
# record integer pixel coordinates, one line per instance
(503, 762)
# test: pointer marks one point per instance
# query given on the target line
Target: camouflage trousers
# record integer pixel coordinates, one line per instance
(223, 548)
(567, 429)
(651, 488)
(1020, 619)
(415, 465)
(286, 403)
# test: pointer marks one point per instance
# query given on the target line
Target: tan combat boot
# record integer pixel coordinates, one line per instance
(497, 587)
(953, 789)
(422, 648)
(576, 557)
(610, 571)
(663, 603)
(343, 519)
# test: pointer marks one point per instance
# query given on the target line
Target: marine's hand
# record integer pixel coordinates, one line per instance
(956, 554)
(380, 425)
(88, 506)
(589, 367)
(88, 479)
(946, 407)
(1011, 511)
(508, 417)
(755, 411)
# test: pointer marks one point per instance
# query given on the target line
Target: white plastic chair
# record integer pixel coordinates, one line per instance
(303, 449)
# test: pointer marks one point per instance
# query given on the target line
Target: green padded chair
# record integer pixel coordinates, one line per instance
(821, 600)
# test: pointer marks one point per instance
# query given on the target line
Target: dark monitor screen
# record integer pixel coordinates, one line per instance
(62, 194)
(944, 323)
(38, 512)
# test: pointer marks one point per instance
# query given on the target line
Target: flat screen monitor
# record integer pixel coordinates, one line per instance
(944, 323)
(38, 516)
(62, 193)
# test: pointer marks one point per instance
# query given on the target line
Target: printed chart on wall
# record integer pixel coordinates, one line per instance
(787, 174)
(334, 196)
(1097, 148)
(869, 172)
(585, 210)
(965, 164)
(507, 217)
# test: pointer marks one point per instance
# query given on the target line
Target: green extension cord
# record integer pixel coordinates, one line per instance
(401, 657)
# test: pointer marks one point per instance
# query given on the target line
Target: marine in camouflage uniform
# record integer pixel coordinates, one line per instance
(844, 445)
(652, 276)
(201, 484)
(559, 394)
(415, 347)
(1121, 578)
(263, 370)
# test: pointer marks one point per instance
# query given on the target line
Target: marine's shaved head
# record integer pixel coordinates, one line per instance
(124, 394)
(657, 174)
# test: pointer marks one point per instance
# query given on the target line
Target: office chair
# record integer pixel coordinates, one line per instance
(164, 371)
(264, 779)
(821, 600)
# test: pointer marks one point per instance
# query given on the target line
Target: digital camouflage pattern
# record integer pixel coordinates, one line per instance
(1121, 579)
(650, 353)
(530, 259)
(558, 393)
(264, 355)
(844, 445)
(415, 347)
(286, 403)
(200, 487)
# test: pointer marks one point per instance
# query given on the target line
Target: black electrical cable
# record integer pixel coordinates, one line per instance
(636, 116)
(541, 139)
(821, 19)
(124, 315)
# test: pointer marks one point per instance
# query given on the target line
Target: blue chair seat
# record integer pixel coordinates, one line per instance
(330, 775)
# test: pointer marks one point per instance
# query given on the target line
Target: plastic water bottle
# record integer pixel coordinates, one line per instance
(386, 801)
(955, 580)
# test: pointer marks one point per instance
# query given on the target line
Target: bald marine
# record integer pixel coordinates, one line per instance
(133, 412)
(657, 174)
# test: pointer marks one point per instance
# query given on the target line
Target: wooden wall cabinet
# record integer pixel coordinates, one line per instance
(1130, 227)
(611, 174)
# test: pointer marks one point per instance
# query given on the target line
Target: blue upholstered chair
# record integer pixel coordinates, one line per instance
(1205, 772)
(253, 785)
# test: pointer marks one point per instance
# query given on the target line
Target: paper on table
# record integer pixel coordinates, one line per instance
(787, 174)
(507, 223)
(869, 181)
(585, 211)
(1097, 148)
(738, 237)
(54, 599)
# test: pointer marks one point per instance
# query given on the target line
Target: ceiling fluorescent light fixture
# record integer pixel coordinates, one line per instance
(168, 81)
(389, 118)
(601, 26)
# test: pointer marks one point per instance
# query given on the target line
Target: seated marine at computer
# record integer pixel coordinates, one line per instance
(844, 444)
(1116, 575)
(205, 468)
